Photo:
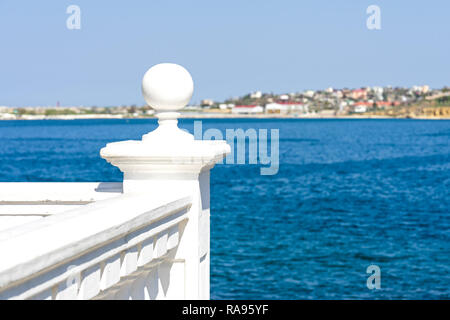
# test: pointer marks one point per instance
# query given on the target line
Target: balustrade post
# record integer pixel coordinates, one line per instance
(169, 159)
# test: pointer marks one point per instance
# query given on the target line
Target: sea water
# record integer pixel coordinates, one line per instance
(348, 194)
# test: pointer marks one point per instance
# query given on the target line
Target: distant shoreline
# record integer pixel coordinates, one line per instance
(312, 117)
(222, 116)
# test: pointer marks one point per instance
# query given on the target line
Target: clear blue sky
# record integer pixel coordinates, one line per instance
(230, 47)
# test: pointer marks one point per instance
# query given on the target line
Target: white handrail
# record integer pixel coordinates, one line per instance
(41, 246)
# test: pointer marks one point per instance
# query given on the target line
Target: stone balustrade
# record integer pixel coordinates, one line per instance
(145, 238)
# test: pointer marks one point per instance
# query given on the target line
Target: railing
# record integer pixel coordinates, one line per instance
(147, 238)
(105, 248)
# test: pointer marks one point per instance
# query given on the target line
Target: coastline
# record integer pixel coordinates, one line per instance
(208, 115)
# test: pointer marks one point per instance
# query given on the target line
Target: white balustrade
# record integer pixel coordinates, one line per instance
(145, 238)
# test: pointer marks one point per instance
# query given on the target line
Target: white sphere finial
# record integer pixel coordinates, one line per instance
(167, 87)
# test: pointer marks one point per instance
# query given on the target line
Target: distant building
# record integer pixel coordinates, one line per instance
(207, 102)
(309, 93)
(361, 107)
(7, 116)
(284, 107)
(357, 94)
(247, 109)
(378, 93)
(256, 95)
(338, 94)
(341, 106)
(5, 109)
(420, 89)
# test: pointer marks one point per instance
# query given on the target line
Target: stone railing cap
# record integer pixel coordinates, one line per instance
(167, 87)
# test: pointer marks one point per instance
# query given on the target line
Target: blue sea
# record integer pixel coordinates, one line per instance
(348, 194)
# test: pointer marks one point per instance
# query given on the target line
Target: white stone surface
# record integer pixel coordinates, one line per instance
(147, 238)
